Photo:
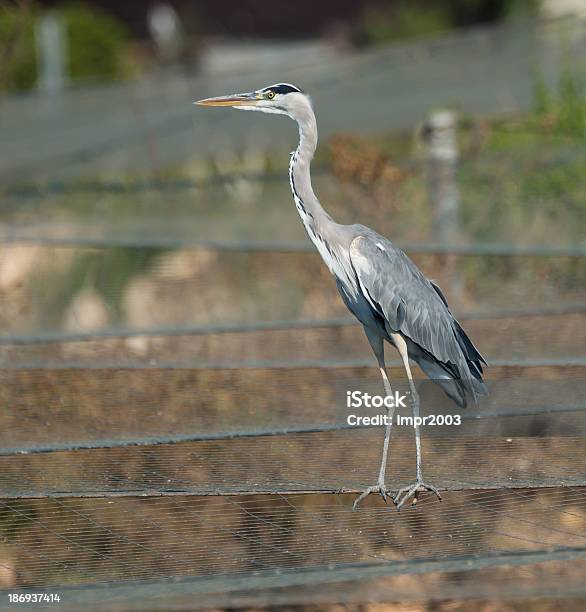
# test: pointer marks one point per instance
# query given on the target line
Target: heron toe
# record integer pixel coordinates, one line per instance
(381, 489)
(413, 490)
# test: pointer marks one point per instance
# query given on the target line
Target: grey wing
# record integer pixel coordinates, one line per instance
(410, 303)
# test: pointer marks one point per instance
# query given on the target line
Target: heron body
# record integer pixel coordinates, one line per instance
(378, 282)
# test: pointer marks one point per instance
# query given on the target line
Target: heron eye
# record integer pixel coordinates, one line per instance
(270, 95)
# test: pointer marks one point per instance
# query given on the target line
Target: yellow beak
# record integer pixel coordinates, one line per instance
(243, 99)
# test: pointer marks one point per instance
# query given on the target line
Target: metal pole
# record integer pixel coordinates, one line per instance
(51, 52)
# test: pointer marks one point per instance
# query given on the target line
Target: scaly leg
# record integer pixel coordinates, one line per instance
(376, 342)
(419, 485)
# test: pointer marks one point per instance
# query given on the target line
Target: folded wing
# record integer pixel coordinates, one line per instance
(415, 307)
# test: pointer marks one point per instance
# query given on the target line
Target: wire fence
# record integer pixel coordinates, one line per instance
(116, 483)
(480, 529)
(290, 344)
(175, 360)
(78, 407)
(242, 210)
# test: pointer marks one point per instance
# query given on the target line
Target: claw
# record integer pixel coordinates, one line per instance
(413, 491)
(381, 489)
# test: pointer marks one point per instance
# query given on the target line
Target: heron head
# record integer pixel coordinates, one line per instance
(281, 99)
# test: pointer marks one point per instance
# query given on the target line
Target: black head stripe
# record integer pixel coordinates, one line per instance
(283, 88)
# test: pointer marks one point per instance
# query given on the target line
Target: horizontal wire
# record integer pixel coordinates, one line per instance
(156, 493)
(142, 494)
(146, 488)
(287, 487)
(50, 188)
(9, 236)
(230, 435)
(273, 364)
(492, 496)
(301, 324)
(61, 187)
(245, 581)
(151, 452)
(127, 488)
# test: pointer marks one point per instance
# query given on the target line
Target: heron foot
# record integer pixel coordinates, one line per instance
(380, 488)
(413, 491)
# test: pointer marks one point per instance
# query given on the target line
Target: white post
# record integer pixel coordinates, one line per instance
(440, 133)
(51, 52)
(442, 160)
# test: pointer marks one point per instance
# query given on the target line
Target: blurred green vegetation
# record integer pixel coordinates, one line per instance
(529, 180)
(416, 18)
(526, 188)
(407, 20)
(17, 47)
(96, 43)
(562, 111)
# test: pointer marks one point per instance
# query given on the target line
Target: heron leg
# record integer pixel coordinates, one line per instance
(376, 342)
(413, 490)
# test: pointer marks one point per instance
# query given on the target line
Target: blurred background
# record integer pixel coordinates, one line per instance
(102, 152)
(161, 306)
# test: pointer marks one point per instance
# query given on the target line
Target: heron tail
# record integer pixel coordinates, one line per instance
(441, 376)
(449, 377)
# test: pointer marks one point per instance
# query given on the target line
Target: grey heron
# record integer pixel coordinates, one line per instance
(379, 284)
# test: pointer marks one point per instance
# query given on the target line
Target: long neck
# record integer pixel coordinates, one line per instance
(327, 236)
(315, 219)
